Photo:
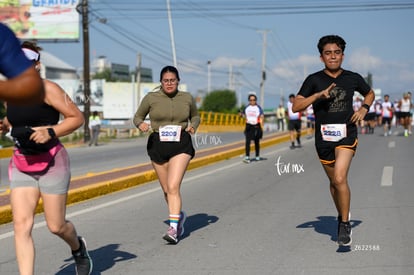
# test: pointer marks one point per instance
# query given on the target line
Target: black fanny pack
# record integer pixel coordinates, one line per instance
(21, 136)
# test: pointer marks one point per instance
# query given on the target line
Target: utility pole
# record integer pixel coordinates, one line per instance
(208, 76)
(86, 68)
(171, 33)
(263, 68)
(231, 87)
(138, 78)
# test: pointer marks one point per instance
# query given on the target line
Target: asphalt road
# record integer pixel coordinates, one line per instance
(120, 153)
(269, 217)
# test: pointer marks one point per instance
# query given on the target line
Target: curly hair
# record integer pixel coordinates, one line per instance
(331, 39)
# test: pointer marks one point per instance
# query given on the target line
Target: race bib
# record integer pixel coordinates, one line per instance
(333, 132)
(170, 133)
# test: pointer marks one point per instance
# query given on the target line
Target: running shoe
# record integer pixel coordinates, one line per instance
(246, 160)
(344, 233)
(171, 236)
(180, 227)
(82, 259)
(258, 158)
(292, 147)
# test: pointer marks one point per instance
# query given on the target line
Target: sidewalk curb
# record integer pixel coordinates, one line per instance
(118, 184)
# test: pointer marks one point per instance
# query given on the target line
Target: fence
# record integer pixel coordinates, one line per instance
(211, 121)
(221, 119)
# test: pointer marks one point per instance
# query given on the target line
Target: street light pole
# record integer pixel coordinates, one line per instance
(263, 69)
(171, 34)
(208, 76)
(86, 70)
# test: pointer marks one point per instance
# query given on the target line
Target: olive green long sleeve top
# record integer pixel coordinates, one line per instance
(163, 109)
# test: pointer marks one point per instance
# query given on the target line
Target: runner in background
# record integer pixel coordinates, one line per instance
(387, 112)
(254, 127)
(378, 112)
(397, 113)
(356, 105)
(410, 122)
(281, 117)
(310, 121)
(370, 120)
(294, 124)
(405, 106)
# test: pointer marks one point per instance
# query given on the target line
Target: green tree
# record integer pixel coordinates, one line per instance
(109, 77)
(105, 74)
(223, 101)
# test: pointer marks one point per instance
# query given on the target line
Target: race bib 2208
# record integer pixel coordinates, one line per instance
(333, 132)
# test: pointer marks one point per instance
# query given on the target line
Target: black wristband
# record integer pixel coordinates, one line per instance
(366, 106)
(51, 132)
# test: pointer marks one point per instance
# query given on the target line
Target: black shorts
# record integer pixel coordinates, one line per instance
(295, 124)
(397, 115)
(161, 152)
(386, 120)
(369, 117)
(326, 150)
(404, 114)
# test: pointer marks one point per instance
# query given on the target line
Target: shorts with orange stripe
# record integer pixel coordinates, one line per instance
(326, 150)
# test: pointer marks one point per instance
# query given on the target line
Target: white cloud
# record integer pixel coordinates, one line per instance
(361, 60)
(294, 70)
(224, 62)
(407, 75)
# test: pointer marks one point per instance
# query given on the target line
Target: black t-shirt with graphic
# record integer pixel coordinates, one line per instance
(338, 108)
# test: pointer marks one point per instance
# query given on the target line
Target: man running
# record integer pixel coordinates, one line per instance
(331, 92)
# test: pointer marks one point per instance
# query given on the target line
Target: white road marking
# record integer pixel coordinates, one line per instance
(391, 144)
(386, 179)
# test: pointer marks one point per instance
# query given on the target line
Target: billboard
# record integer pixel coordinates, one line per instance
(121, 99)
(42, 19)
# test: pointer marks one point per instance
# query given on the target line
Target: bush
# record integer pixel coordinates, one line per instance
(222, 101)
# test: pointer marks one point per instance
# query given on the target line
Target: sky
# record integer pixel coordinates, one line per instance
(231, 35)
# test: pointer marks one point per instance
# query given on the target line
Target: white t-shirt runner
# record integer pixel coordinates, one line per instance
(253, 113)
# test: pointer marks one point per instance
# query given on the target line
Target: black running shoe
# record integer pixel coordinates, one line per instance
(82, 259)
(344, 233)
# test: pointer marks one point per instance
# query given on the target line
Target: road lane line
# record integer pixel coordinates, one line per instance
(386, 179)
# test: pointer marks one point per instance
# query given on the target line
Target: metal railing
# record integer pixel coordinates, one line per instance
(221, 119)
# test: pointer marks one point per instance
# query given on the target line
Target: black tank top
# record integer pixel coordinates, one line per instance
(32, 115)
(23, 118)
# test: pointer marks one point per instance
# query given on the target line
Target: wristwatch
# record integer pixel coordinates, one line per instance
(366, 106)
(51, 132)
